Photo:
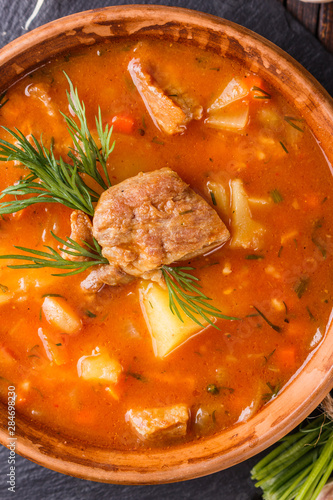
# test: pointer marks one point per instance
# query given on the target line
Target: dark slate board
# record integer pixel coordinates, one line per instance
(269, 19)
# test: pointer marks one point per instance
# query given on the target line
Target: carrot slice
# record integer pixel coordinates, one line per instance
(123, 124)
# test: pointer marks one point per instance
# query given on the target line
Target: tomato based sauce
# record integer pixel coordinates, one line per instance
(254, 160)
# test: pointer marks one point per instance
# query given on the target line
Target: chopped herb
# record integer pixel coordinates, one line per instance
(143, 120)
(284, 147)
(59, 344)
(189, 298)
(276, 328)
(2, 102)
(214, 416)
(40, 314)
(320, 246)
(253, 257)
(301, 286)
(276, 196)
(141, 131)
(53, 295)
(265, 95)
(230, 389)
(151, 305)
(280, 251)
(209, 265)
(90, 314)
(285, 306)
(137, 376)
(33, 356)
(39, 392)
(186, 212)
(212, 195)
(274, 390)
(213, 389)
(324, 200)
(291, 121)
(311, 316)
(172, 95)
(4, 288)
(269, 356)
(156, 140)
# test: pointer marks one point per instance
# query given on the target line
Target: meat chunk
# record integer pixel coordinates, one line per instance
(160, 424)
(81, 232)
(105, 275)
(154, 219)
(168, 116)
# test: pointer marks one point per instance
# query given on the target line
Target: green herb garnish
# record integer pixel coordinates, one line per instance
(87, 154)
(156, 140)
(4, 288)
(56, 181)
(2, 101)
(53, 259)
(213, 389)
(212, 195)
(137, 376)
(284, 147)
(188, 297)
(52, 295)
(253, 257)
(265, 95)
(275, 327)
(291, 121)
(301, 286)
(90, 314)
(276, 196)
(274, 391)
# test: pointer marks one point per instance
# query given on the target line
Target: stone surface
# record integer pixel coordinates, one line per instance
(271, 20)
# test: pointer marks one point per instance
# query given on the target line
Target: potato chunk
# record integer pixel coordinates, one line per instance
(166, 329)
(235, 90)
(53, 345)
(100, 367)
(61, 315)
(233, 117)
(246, 233)
(159, 424)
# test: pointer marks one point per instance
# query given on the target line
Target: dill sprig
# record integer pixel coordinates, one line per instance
(53, 259)
(264, 94)
(184, 293)
(300, 466)
(3, 101)
(291, 121)
(56, 181)
(86, 154)
(50, 180)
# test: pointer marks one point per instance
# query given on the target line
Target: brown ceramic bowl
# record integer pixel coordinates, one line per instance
(306, 390)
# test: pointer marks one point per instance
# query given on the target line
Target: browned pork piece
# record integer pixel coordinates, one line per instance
(81, 232)
(150, 220)
(169, 116)
(160, 424)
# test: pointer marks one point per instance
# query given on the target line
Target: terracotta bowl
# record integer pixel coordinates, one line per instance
(307, 389)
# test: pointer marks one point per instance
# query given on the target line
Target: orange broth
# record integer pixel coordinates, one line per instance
(224, 376)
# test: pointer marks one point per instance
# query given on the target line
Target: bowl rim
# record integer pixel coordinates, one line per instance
(227, 448)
